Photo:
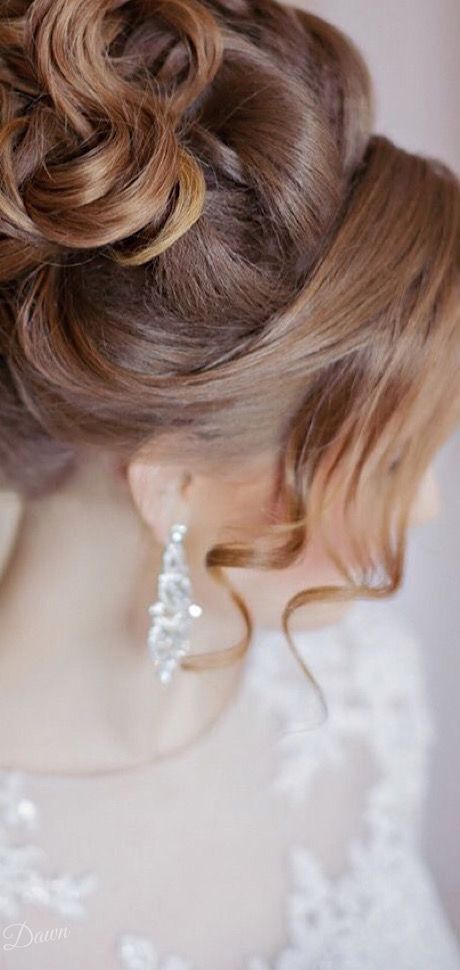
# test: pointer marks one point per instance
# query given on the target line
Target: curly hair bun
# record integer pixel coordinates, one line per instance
(194, 211)
(116, 115)
(91, 155)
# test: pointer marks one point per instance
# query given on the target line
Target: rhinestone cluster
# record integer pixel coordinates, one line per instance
(172, 613)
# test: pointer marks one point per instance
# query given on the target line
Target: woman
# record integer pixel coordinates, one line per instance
(229, 318)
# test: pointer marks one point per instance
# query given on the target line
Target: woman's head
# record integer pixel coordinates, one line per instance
(207, 256)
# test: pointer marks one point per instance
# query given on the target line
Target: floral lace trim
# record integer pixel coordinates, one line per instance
(375, 691)
(22, 879)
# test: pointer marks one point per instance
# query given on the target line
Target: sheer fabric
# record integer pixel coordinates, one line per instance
(276, 842)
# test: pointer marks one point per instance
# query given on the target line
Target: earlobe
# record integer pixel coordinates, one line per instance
(157, 492)
(11, 513)
(427, 501)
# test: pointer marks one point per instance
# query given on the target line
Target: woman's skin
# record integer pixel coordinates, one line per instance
(78, 570)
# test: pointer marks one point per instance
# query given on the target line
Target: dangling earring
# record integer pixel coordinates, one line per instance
(173, 611)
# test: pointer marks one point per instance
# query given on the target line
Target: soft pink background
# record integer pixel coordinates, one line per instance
(412, 48)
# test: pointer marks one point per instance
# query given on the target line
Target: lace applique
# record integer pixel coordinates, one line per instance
(21, 862)
(374, 688)
(138, 953)
(301, 746)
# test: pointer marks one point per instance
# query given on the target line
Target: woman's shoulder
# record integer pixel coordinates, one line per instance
(373, 648)
(363, 677)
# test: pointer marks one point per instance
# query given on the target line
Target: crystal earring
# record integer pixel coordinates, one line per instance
(174, 609)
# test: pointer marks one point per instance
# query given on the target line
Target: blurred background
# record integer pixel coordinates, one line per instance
(411, 47)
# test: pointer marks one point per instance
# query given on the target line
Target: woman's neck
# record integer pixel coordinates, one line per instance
(77, 689)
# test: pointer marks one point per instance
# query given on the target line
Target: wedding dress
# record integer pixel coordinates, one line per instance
(274, 842)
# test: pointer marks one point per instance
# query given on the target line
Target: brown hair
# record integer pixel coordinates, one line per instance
(202, 238)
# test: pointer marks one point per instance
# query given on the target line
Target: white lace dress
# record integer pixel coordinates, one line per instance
(268, 845)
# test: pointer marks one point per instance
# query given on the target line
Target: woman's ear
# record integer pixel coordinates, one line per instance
(427, 503)
(159, 494)
(11, 512)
